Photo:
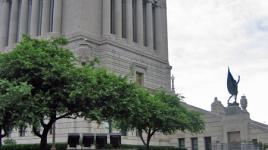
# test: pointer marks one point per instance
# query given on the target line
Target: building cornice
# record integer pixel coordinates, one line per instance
(111, 40)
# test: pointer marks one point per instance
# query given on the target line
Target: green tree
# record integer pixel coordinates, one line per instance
(47, 67)
(60, 87)
(12, 104)
(160, 112)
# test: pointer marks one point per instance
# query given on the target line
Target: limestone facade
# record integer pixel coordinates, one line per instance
(127, 36)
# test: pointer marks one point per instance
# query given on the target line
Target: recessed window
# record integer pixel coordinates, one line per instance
(139, 78)
(51, 14)
(194, 142)
(181, 143)
(134, 12)
(22, 131)
(29, 17)
(112, 17)
(124, 18)
(207, 143)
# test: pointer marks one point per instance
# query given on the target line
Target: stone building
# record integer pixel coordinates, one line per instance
(130, 38)
(226, 128)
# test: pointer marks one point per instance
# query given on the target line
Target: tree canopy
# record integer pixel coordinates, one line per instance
(160, 112)
(41, 82)
(60, 87)
(12, 104)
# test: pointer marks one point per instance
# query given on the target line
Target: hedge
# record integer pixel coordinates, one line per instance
(62, 146)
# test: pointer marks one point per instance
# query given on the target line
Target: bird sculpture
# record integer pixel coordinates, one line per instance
(232, 86)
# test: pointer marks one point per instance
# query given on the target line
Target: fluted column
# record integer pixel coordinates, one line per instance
(57, 18)
(129, 22)
(34, 18)
(149, 24)
(13, 30)
(45, 17)
(164, 51)
(23, 18)
(106, 17)
(4, 5)
(118, 18)
(158, 28)
(139, 21)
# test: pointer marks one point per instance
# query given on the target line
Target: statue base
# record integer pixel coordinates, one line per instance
(233, 104)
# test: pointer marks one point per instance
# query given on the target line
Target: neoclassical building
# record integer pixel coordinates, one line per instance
(130, 38)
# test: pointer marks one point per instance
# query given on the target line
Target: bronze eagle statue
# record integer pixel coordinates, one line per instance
(232, 85)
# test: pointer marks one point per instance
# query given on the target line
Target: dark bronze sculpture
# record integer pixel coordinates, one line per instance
(232, 86)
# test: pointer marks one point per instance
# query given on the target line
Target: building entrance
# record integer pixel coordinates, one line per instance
(234, 141)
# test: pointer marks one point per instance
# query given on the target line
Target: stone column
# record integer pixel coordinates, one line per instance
(106, 17)
(118, 18)
(45, 17)
(13, 30)
(164, 51)
(158, 28)
(4, 23)
(57, 22)
(34, 18)
(149, 24)
(23, 18)
(139, 22)
(129, 21)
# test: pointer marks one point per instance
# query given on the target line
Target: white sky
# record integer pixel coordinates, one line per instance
(207, 36)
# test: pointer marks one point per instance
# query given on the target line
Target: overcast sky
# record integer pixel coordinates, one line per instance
(207, 36)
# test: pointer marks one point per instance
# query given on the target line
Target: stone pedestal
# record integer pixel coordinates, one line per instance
(235, 120)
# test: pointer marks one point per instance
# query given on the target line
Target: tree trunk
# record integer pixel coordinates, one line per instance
(147, 146)
(149, 136)
(43, 142)
(0, 136)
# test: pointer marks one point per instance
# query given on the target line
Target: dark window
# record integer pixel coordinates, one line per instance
(140, 78)
(112, 16)
(194, 143)
(51, 14)
(124, 18)
(134, 11)
(144, 24)
(207, 143)
(254, 141)
(181, 142)
(9, 19)
(154, 28)
(22, 131)
(19, 9)
(29, 16)
(40, 17)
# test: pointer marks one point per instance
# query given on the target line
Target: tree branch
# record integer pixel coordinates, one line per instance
(36, 132)
(153, 132)
(140, 135)
(64, 116)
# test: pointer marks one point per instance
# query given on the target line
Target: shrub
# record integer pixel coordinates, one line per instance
(62, 146)
(9, 142)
